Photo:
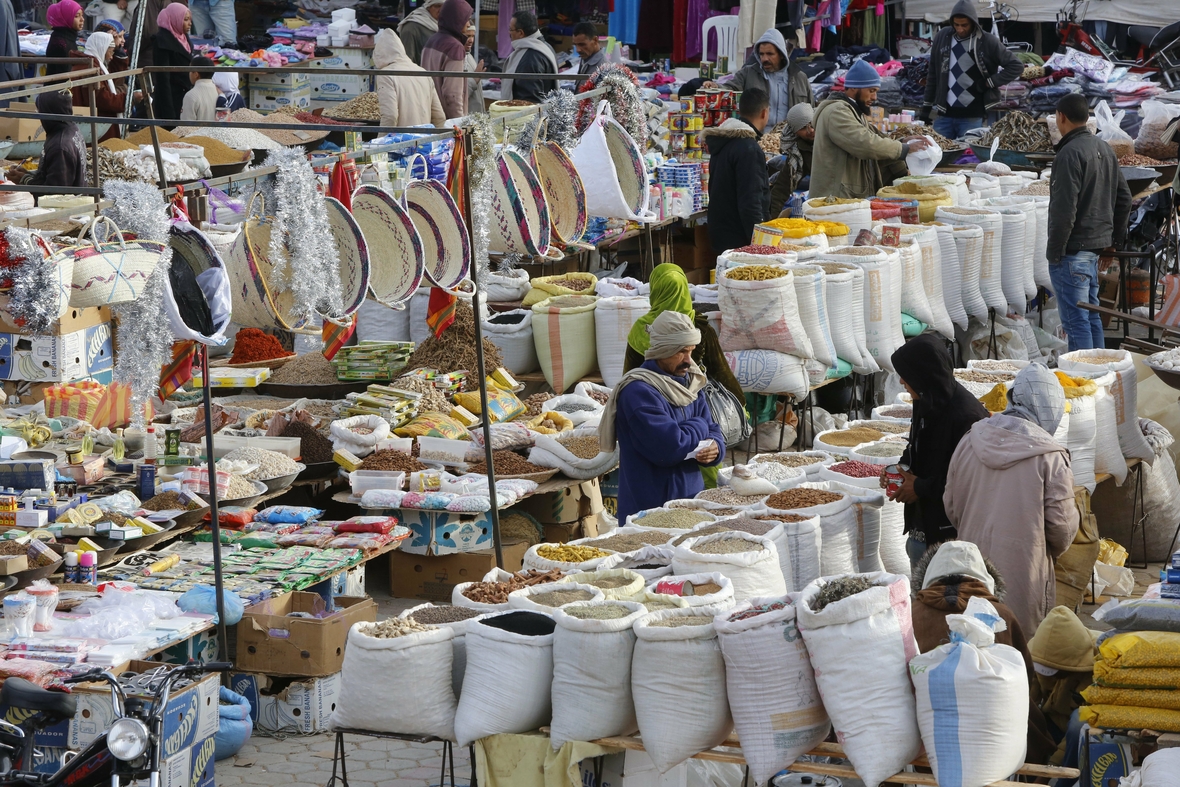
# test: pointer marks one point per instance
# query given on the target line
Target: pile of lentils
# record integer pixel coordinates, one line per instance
(435, 615)
(801, 498)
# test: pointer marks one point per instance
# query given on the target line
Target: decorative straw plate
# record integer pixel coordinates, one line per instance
(386, 226)
(564, 192)
(520, 215)
(440, 225)
(354, 255)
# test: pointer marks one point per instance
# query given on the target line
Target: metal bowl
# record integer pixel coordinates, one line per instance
(949, 157)
(318, 470)
(105, 556)
(144, 542)
(28, 577)
(1169, 377)
(243, 502)
(1013, 158)
(283, 481)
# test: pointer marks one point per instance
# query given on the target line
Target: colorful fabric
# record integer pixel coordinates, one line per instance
(179, 370)
(336, 335)
(440, 310)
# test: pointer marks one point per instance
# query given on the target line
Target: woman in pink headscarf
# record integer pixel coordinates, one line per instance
(66, 19)
(172, 49)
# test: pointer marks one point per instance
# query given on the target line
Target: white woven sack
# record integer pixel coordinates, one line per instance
(547, 451)
(766, 371)
(460, 600)
(761, 315)
(736, 259)
(839, 289)
(1009, 184)
(893, 258)
(782, 544)
(579, 418)
(930, 272)
(635, 521)
(678, 684)
(515, 339)
(613, 318)
(519, 599)
(1082, 440)
(400, 685)
(1161, 768)
(1107, 456)
(867, 504)
(954, 183)
(1124, 391)
(1032, 231)
(650, 555)
(991, 286)
(965, 687)
(776, 706)
(635, 582)
(625, 287)
(877, 291)
(592, 675)
(804, 544)
(1041, 242)
(533, 560)
(913, 290)
(716, 601)
(983, 186)
(563, 332)
(506, 286)
(811, 296)
(458, 646)
(838, 531)
(1019, 235)
(952, 276)
(378, 322)
(509, 676)
(969, 242)
(753, 573)
(857, 215)
(810, 470)
(866, 641)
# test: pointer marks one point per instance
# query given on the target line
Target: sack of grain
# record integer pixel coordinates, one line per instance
(615, 584)
(990, 276)
(856, 213)
(506, 286)
(866, 640)
(777, 710)
(678, 685)
(890, 532)
(927, 239)
(521, 599)
(954, 183)
(881, 299)
(969, 244)
(624, 287)
(838, 529)
(458, 644)
(1041, 240)
(1016, 253)
(754, 571)
(913, 290)
(533, 560)
(983, 186)
(1156, 116)
(399, 684)
(867, 505)
(952, 276)
(592, 672)
(650, 562)
(761, 315)
(716, 600)
(810, 293)
(970, 685)
(544, 287)
(1082, 436)
(766, 371)
(929, 198)
(845, 311)
(509, 676)
(563, 331)
(1124, 392)
(559, 451)
(734, 259)
(1107, 456)
(613, 318)
(512, 332)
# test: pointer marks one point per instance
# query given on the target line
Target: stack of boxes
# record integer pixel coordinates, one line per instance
(681, 189)
(79, 347)
(269, 92)
(330, 89)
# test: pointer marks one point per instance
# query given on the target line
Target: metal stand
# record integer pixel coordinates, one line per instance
(340, 762)
(211, 467)
(1138, 520)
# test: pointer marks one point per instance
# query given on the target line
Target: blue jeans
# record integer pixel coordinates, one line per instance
(953, 128)
(1075, 280)
(216, 18)
(914, 548)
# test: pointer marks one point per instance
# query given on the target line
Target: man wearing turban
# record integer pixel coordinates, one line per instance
(660, 418)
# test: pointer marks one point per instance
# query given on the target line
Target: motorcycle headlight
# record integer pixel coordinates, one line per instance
(127, 739)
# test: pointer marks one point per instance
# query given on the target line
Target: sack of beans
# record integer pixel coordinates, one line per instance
(563, 331)
(777, 710)
(615, 584)
(506, 286)
(840, 442)
(546, 598)
(1124, 392)
(750, 562)
(396, 677)
(772, 528)
(759, 311)
(678, 685)
(879, 452)
(763, 255)
(457, 619)
(592, 649)
(566, 558)
(713, 590)
(674, 520)
(509, 674)
(809, 461)
(864, 476)
(491, 593)
(544, 287)
(837, 521)
(859, 632)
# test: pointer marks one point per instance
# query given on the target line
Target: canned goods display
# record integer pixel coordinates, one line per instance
(697, 124)
(678, 122)
(698, 103)
(693, 141)
(677, 143)
(705, 71)
(723, 64)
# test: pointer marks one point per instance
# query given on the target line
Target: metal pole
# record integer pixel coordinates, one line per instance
(94, 142)
(151, 113)
(140, 12)
(210, 465)
(483, 381)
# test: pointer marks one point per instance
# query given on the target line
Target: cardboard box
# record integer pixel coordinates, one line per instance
(88, 472)
(13, 564)
(278, 79)
(586, 527)
(283, 705)
(565, 506)
(433, 578)
(267, 98)
(445, 533)
(269, 641)
(338, 87)
(70, 356)
(21, 130)
(192, 767)
(73, 320)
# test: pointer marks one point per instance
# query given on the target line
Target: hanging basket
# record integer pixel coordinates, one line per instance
(520, 215)
(354, 255)
(387, 227)
(612, 170)
(258, 300)
(63, 276)
(191, 247)
(111, 271)
(564, 192)
(440, 225)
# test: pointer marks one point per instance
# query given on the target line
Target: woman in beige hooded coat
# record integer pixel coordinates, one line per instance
(404, 101)
(1009, 491)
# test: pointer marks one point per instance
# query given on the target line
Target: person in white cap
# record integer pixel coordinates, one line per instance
(660, 419)
(419, 25)
(795, 144)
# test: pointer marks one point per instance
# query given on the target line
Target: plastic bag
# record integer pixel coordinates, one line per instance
(234, 725)
(234, 517)
(433, 425)
(1110, 130)
(502, 405)
(283, 514)
(203, 599)
(1156, 116)
(922, 162)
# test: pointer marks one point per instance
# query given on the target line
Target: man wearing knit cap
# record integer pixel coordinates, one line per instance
(848, 151)
(770, 71)
(660, 419)
(795, 145)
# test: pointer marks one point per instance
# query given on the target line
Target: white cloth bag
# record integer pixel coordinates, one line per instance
(753, 573)
(952, 276)
(458, 646)
(613, 318)
(761, 315)
(1124, 390)
(512, 332)
(598, 168)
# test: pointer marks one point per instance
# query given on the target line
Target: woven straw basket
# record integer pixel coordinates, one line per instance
(564, 192)
(354, 255)
(520, 214)
(445, 242)
(63, 270)
(398, 259)
(258, 300)
(111, 271)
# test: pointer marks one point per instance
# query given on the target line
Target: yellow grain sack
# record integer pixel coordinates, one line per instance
(1168, 699)
(1122, 717)
(1136, 677)
(502, 405)
(929, 198)
(1076, 386)
(1142, 649)
(433, 425)
(558, 420)
(548, 286)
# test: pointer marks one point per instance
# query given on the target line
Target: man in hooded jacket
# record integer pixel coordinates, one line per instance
(944, 411)
(403, 100)
(531, 54)
(1009, 490)
(417, 28)
(967, 69)
(770, 70)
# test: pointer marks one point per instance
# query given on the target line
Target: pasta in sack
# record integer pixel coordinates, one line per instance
(970, 685)
(761, 314)
(776, 706)
(865, 640)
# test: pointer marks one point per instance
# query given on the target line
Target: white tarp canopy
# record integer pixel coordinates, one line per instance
(1154, 13)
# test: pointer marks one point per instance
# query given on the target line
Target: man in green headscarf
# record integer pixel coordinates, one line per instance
(670, 292)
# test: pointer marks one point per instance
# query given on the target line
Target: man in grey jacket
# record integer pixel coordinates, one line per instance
(1089, 203)
(772, 73)
(967, 69)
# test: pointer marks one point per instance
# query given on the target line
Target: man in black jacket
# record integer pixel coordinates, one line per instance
(967, 69)
(739, 186)
(1089, 202)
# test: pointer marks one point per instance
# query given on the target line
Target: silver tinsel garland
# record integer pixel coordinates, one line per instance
(307, 262)
(145, 335)
(561, 114)
(527, 138)
(623, 96)
(35, 300)
(481, 168)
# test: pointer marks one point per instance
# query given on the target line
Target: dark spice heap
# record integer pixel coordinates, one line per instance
(507, 463)
(840, 588)
(392, 460)
(313, 446)
(436, 615)
(455, 349)
(168, 501)
(252, 345)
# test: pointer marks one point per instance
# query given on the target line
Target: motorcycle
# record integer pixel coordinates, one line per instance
(129, 750)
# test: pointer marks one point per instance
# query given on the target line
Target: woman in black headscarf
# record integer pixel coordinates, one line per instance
(943, 412)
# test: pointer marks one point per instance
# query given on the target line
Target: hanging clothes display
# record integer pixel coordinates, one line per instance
(698, 12)
(755, 18)
(655, 35)
(623, 22)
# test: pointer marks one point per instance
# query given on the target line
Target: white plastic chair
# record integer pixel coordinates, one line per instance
(726, 28)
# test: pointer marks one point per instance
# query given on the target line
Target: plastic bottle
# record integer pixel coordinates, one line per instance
(150, 451)
(120, 448)
(71, 568)
(88, 568)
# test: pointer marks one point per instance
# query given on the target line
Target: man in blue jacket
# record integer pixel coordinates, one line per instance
(662, 421)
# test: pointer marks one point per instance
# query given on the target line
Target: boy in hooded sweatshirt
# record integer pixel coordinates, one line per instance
(63, 160)
(1010, 491)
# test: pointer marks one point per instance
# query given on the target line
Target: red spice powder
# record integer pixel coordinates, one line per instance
(252, 345)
